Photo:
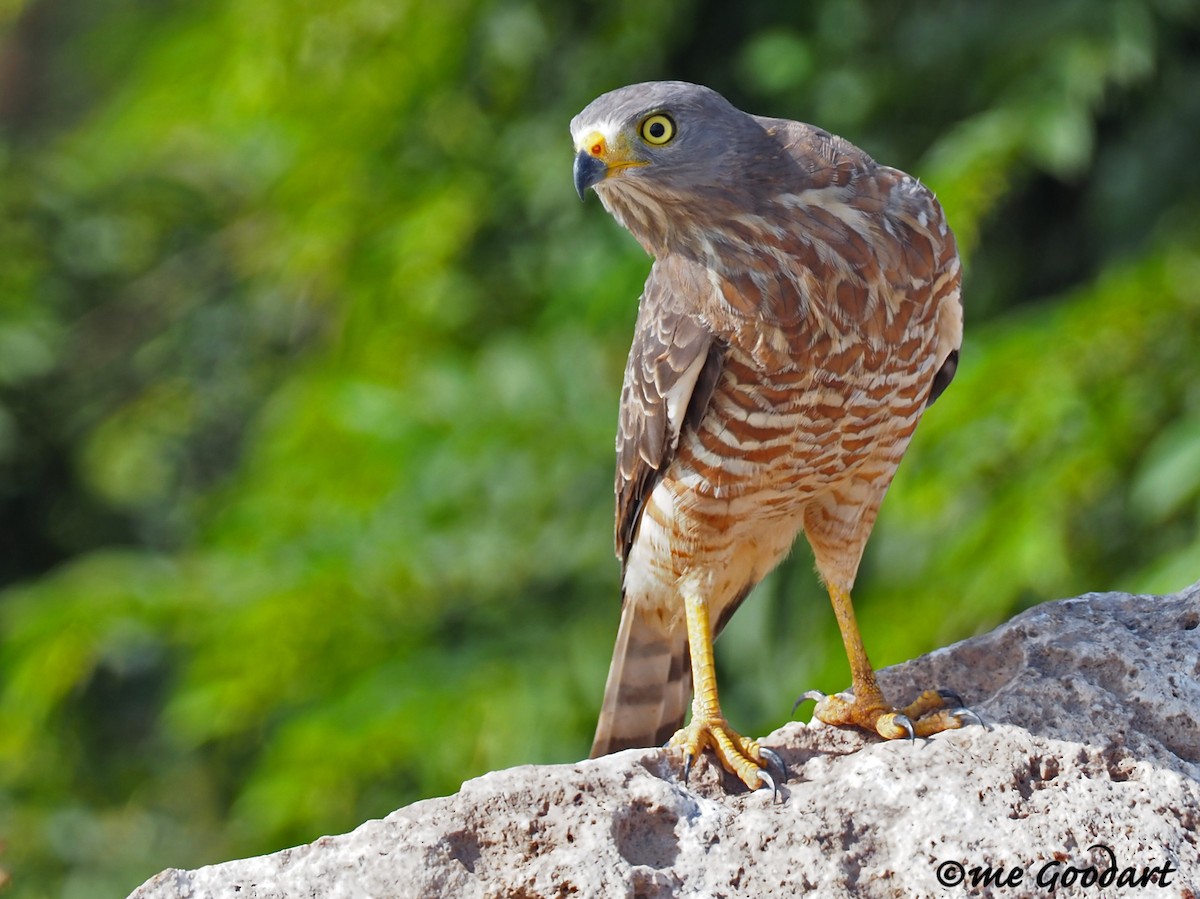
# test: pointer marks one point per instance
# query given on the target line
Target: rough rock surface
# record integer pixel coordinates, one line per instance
(1094, 739)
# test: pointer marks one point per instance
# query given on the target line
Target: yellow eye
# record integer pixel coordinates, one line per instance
(657, 129)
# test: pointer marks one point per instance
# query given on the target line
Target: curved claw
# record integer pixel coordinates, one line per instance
(807, 696)
(967, 716)
(688, 758)
(904, 722)
(773, 760)
(768, 781)
(950, 697)
(775, 763)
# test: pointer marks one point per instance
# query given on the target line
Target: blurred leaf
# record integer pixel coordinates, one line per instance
(1169, 479)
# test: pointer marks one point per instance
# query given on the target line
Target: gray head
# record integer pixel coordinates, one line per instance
(665, 157)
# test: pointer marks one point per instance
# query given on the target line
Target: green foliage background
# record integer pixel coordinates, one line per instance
(309, 362)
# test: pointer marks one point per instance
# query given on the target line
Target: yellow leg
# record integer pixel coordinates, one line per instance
(708, 727)
(869, 710)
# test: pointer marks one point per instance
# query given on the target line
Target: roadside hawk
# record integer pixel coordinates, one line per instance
(802, 311)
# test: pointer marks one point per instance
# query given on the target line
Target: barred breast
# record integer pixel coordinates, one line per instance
(734, 498)
(831, 360)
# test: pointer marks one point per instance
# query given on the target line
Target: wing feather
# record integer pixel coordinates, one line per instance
(673, 367)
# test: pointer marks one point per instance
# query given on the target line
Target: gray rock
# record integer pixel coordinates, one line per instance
(1093, 740)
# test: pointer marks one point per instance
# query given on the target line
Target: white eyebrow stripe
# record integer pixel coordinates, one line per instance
(609, 128)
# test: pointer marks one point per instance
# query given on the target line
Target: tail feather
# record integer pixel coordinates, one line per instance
(678, 693)
(649, 685)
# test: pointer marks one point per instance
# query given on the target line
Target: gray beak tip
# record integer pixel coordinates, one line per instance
(588, 171)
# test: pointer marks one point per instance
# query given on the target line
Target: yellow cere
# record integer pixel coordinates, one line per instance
(595, 144)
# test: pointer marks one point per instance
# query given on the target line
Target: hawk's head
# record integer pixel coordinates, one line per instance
(668, 158)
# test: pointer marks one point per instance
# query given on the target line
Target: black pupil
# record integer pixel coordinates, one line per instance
(657, 129)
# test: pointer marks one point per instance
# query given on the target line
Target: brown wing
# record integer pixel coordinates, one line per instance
(903, 267)
(673, 366)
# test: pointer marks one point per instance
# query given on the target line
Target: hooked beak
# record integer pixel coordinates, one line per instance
(589, 170)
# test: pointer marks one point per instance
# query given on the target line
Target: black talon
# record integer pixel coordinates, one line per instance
(773, 760)
(768, 781)
(687, 766)
(950, 697)
(903, 721)
(968, 716)
(814, 695)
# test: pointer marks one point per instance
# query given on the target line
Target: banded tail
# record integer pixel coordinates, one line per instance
(649, 684)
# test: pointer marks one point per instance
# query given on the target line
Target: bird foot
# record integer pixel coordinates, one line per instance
(930, 713)
(740, 756)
